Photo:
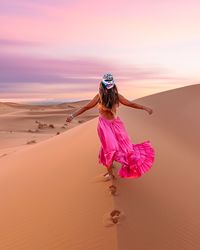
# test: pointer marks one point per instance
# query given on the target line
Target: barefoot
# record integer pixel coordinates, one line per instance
(105, 174)
(107, 177)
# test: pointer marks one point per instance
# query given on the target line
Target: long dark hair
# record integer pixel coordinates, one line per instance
(108, 97)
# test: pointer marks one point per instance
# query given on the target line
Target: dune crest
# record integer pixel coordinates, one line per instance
(51, 198)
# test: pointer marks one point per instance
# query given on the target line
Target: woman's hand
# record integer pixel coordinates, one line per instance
(149, 110)
(69, 118)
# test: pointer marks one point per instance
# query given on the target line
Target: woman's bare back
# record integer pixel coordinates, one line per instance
(106, 113)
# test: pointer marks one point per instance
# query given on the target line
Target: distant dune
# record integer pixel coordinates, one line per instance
(19, 122)
(53, 195)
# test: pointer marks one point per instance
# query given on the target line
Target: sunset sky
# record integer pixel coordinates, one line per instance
(60, 49)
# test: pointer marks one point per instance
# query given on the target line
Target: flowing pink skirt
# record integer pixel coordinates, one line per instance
(116, 145)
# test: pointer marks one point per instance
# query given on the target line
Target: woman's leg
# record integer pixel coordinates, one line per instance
(110, 171)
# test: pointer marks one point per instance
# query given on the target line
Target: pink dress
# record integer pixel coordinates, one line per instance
(116, 145)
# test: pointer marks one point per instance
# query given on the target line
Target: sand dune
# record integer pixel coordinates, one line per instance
(38, 107)
(53, 195)
(18, 120)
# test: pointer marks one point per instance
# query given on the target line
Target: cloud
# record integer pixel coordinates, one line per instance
(24, 69)
(44, 78)
(31, 8)
(36, 78)
(18, 43)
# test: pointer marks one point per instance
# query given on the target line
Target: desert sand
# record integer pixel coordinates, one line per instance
(22, 124)
(53, 195)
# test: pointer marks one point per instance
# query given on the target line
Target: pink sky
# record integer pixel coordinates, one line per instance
(60, 49)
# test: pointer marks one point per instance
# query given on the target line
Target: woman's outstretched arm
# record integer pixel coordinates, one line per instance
(131, 104)
(89, 105)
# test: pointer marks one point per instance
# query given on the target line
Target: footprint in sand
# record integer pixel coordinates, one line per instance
(113, 217)
(113, 190)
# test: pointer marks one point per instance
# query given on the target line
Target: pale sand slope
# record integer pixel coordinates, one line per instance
(51, 198)
(163, 207)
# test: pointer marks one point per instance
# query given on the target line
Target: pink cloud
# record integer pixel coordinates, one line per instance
(93, 37)
(19, 69)
(18, 43)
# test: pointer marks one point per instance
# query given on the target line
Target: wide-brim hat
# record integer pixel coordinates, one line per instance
(108, 80)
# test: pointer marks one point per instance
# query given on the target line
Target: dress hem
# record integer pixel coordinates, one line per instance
(135, 163)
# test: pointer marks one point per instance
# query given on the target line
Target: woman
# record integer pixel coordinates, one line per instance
(116, 145)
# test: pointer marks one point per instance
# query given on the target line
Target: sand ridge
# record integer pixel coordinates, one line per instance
(53, 197)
